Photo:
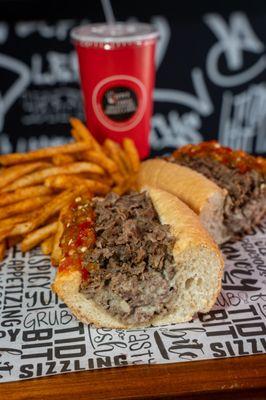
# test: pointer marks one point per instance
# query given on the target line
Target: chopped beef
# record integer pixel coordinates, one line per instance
(246, 201)
(131, 267)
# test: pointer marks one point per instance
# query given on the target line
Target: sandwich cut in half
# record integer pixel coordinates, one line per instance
(226, 188)
(136, 260)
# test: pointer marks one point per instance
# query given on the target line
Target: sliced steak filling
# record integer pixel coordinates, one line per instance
(246, 201)
(131, 267)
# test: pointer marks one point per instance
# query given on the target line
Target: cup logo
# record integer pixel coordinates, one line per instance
(119, 102)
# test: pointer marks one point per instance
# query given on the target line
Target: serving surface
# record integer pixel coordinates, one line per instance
(220, 379)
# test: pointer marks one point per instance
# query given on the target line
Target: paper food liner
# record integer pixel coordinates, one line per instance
(39, 336)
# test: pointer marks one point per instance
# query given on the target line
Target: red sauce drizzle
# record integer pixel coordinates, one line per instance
(233, 158)
(78, 236)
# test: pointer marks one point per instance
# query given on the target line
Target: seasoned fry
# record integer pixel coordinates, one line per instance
(22, 194)
(40, 176)
(16, 158)
(125, 161)
(132, 154)
(18, 229)
(23, 206)
(51, 208)
(75, 134)
(68, 182)
(122, 188)
(9, 222)
(47, 245)
(36, 237)
(62, 159)
(40, 217)
(129, 184)
(13, 241)
(101, 159)
(107, 179)
(82, 133)
(79, 131)
(118, 178)
(113, 150)
(4, 232)
(12, 173)
(2, 250)
(103, 178)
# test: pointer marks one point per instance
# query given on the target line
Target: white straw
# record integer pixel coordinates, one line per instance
(108, 11)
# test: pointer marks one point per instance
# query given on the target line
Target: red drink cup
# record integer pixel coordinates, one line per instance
(117, 72)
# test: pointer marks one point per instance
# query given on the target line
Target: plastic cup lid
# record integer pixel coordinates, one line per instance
(120, 32)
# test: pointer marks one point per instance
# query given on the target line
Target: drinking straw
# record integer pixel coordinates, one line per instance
(108, 11)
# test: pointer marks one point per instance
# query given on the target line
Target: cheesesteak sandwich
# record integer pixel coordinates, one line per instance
(226, 188)
(137, 260)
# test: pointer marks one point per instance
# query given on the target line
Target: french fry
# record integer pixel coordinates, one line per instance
(82, 133)
(103, 178)
(118, 178)
(36, 237)
(22, 194)
(16, 158)
(79, 130)
(47, 245)
(13, 241)
(62, 159)
(132, 154)
(107, 179)
(125, 161)
(23, 206)
(9, 222)
(129, 184)
(70, 181)
(4, 232)
(53, 207)
(2, 250)
(75, 134)
(113, 151)
(101, 159)
(38, 177)
(17, 226)
(40, 217)
(119, 189)
(18, 229)
(12, 173)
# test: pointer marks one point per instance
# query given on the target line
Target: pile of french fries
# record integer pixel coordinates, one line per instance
(36, 186)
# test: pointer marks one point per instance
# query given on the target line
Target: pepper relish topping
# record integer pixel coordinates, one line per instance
(79, 234)
(232, 158)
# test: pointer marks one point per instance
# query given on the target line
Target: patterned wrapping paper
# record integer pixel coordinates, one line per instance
(40, 337)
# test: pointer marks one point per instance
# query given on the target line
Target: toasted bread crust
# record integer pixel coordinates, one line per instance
(202, 195)
(192, 243)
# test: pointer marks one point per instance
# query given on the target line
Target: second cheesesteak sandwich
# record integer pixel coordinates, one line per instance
(225, 187)
(137, 260)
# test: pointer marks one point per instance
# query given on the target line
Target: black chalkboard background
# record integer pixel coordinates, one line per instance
(211, 70)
